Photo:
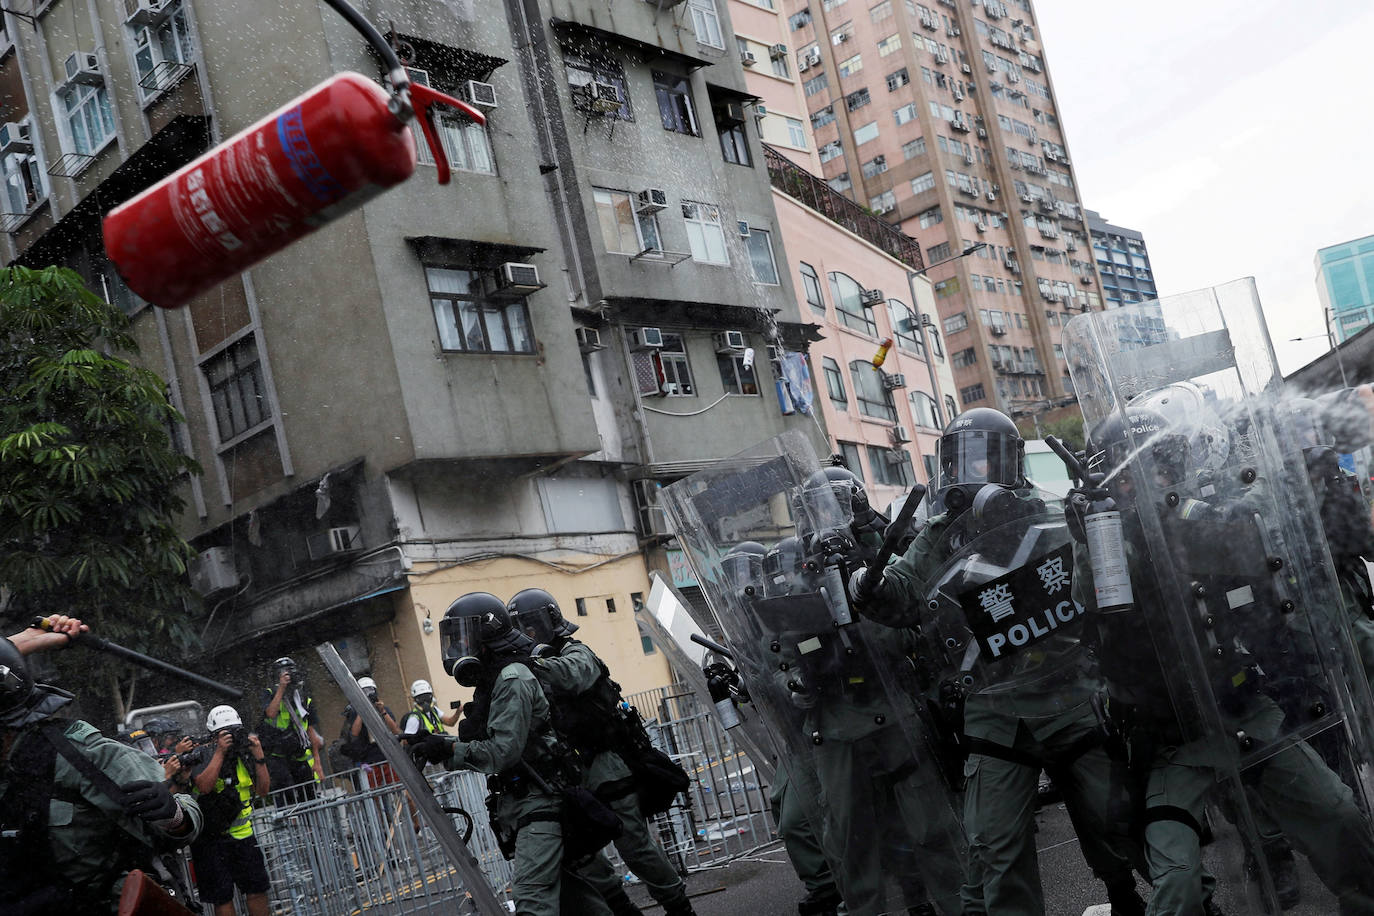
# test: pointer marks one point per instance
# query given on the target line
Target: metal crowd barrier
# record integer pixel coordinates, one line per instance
(354, 848)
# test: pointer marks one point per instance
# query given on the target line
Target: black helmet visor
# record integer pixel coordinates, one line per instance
(978, 456)
(460, 637)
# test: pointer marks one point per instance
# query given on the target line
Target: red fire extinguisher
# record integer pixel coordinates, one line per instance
(316, 158)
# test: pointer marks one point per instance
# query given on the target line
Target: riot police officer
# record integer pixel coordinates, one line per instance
(78, 810)
(1049, 722)
(1255, 652)
(585, 705)
(510, 739)
(873, 778)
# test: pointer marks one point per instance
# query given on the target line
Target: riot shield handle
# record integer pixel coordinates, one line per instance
(891, 539)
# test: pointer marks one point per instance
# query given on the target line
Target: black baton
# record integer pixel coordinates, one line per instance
(91, 641)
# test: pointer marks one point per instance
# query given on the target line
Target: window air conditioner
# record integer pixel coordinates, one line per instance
(588, 339)
(981, 226)
(597, 97)
(901, 435)
(651, 200)
(1086, 281)
(998, 330)
(653, 519)
(775, 353)
(966, 69)
(479, 94)
(646, 339)
(871, 297)
(804, 64)
(743, 227)
(732, 113)
(991, 195)
(145, 12)
(83, 67)
(333, 541)
(213, 572)
(894, 381)
(729, 341)
(748, 59)
(760, 111)
(777, 51)
(15, 138)
(515, 280)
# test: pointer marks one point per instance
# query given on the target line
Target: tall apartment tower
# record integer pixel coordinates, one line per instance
(1123, 262)
(1345, 285)
(476, 387)
(941, 116)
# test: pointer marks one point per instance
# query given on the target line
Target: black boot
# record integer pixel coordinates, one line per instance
(1124, 899)
(621, 904)
(823, 901)
(681, 907)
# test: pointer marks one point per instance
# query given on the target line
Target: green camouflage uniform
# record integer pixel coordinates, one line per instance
(1050, 721)
(573, 671)
(89, 833)
(1301, 797)
(518, 729)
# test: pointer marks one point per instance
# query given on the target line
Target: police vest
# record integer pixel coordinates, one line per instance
(591, 721)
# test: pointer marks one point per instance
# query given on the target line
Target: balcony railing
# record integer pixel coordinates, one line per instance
(799, 184)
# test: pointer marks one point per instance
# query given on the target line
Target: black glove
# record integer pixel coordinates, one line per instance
(149, 801)
(864, 515)
(431, 749)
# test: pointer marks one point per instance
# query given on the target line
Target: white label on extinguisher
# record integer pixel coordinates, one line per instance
(726, 714)
(1107, 548)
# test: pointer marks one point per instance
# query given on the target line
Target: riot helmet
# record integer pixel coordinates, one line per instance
(476, 627)
(1191, 415)
(742, 567)
(980, 447)
(818, 509)
(537, 614)
(1346, 418)
(782, 564)
(22, 699)
(1117, 443)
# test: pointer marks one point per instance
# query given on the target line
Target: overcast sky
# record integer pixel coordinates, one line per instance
(1235, 135)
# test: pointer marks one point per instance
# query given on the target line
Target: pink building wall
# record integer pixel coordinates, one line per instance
(810, 238)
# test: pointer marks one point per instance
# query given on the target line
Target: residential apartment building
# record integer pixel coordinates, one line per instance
(857, 276)
(470, 387)
(940, 117)
(1123, 262)
(1345, 285)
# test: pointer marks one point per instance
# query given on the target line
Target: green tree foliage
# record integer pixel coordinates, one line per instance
(89, 477)
(1068, 429)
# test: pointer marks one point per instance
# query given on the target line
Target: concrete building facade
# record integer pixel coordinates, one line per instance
(885, 422)
(941, 118)
(1345, 285)
(385, 419)
(1122, 261)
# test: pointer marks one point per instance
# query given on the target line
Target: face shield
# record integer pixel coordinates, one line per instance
(460, 640)
(742, 569)
(977, 457)
(537, 623)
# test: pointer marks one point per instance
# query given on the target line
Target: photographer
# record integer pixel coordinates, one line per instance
(358, 745)
(226, 854)
(289, 735)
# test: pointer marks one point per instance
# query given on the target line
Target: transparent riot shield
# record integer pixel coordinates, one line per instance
(1231, 659)
(771, 551)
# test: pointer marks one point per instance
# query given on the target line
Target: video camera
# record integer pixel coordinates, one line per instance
(240, 748)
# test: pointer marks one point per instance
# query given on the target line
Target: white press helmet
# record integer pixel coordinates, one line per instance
(222, 717)
(420, 688)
